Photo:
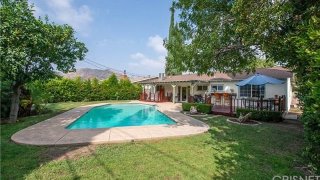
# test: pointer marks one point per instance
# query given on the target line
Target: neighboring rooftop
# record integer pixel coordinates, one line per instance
(275, 72)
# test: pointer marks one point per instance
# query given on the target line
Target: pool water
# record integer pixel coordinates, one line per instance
(118, 115)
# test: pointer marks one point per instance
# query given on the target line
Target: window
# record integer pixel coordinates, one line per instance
(257, 91)
(245, 91)
(217, 87)
(202, 88)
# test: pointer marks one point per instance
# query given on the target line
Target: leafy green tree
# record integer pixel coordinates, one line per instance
(111, 86)
(39, 93)
(127, 90)
(175, 46)
(96, 93)
(264, 63)
(112, 81)
(228, 36)
(79, 84)
(5, 91)
(307, 43)
(53, 91)
(30, 48)
(87, 90)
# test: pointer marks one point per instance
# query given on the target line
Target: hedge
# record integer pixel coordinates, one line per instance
(204, 108)
(64, 90)
(259, 115)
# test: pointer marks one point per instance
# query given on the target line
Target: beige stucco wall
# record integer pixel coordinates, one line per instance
(275, 89)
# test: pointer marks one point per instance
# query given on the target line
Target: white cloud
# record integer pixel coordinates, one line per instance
(66, 12)
(156, 43)
(146, 64)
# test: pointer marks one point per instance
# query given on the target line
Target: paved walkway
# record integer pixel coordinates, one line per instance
(53, 131)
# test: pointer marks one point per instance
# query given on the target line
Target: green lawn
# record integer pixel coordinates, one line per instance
(226, 151)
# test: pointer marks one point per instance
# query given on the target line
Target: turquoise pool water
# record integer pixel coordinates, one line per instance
(117, 115)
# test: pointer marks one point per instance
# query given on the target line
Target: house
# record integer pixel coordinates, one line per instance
(217, 89)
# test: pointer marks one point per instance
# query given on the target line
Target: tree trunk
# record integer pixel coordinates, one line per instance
(15, 100)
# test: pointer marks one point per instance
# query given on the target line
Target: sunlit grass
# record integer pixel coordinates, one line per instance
(226, 151)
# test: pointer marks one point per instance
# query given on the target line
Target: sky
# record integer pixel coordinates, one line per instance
(120, 34)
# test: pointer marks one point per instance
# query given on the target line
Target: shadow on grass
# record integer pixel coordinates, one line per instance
(224, 155)
(183, 166)
(102, 163)
(257, 152)
(17, 161)
(89, 149)
(236, 152)
(72, 169)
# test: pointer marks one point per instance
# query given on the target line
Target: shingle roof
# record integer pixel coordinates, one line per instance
(276, 72)
(179, 78)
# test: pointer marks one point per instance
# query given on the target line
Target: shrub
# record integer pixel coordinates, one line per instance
(64, 90)
(258, 115)
(204, 108)
(5, 101)
(311, 122)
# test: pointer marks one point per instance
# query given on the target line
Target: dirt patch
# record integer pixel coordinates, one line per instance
(67, 152)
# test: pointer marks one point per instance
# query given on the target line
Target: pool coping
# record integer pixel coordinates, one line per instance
(52, 132)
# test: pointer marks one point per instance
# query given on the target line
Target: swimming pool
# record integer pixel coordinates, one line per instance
(118, 115)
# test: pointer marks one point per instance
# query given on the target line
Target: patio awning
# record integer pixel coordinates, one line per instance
(259, 79)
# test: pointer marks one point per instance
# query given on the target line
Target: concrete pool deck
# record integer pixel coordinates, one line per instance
(53, 131)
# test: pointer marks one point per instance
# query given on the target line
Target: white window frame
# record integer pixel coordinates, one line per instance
(217, 89)
(249, 91)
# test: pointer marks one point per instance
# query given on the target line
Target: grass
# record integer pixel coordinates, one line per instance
(226, 151)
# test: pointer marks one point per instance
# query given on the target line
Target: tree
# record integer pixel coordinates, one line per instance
(175, 48)
(112, 81)
(307, 43)
(31, 48)
(96, 93)
(228, 36)
(112, 87)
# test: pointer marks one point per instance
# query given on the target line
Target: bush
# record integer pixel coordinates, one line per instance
(5, 101)
(258, 115)
(65, 90)
(311, 122)
(204, 108)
